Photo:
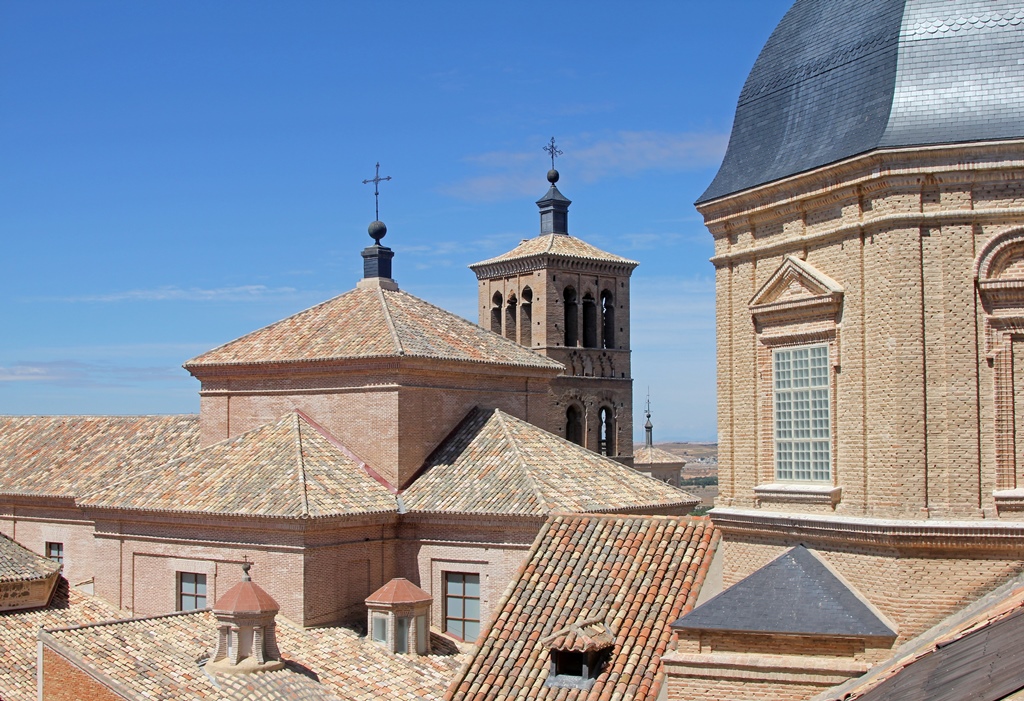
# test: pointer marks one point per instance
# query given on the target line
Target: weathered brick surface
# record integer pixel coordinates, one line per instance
(64, 681)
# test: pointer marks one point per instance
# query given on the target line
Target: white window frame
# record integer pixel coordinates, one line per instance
(802, 413)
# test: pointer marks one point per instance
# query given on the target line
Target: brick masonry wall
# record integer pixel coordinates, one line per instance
(34, 525)
(64, 681)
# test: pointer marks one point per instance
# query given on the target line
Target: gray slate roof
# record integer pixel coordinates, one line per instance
(842, 77)
(795, 594)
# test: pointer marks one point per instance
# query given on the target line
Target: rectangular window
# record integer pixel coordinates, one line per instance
(462, 605)
(402, 634)
(380, 629)
(802, 426)
(55, 551)
(191, 591)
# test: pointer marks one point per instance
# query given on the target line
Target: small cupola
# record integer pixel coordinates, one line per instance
(398, 617)
(246, 630)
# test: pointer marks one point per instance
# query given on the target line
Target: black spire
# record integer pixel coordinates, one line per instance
(649, 427)
(554, 206)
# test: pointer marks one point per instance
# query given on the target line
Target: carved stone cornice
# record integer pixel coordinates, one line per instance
(905, 534)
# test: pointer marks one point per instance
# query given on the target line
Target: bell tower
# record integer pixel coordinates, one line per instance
(568, 300)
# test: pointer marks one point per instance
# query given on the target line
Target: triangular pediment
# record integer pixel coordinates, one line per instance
(796, 280)
(795, 594)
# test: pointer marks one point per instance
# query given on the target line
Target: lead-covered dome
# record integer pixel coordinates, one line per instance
(841, 77)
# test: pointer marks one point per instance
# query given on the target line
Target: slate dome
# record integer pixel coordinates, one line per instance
(841, 77)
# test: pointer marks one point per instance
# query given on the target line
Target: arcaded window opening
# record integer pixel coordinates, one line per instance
(496, 303)
(606, 444)
(526, 318)
(589, 321)
(574, 425)
(571, 317)
(510, 317)
(607, 320)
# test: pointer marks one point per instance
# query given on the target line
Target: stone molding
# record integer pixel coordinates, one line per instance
(907, 534)
(794, 493)
(547, 261)
(793, 669)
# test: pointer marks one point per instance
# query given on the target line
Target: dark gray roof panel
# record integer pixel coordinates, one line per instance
(795, 594)
(842, 77)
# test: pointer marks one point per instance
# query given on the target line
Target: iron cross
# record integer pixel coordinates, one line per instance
(552, 151)
(376, 180)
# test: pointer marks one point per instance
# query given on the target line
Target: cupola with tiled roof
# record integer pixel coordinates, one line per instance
(398, 617)
(246, 630)
(568, 300)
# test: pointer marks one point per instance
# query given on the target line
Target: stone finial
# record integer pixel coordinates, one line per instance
(246, 630)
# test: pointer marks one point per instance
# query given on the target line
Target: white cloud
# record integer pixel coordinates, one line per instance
(510, 174)
(74, 373)
(172, 293)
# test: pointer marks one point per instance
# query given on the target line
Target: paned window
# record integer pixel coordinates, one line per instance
(462, 605)
(801, 377)
(191, 591)
(380, 629)
(55, 551)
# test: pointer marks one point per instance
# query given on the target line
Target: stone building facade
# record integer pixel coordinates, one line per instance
(869, 233)
(569, 301)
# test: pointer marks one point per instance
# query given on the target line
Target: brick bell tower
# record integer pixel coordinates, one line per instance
(568, 300)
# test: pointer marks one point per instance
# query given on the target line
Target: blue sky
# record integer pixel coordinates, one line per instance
(176, 174)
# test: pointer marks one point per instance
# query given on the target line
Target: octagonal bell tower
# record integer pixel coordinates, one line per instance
(568, 300)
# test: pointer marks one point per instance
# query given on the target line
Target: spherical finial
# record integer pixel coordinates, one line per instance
(377, 231)
(552, 176)
(245, 569)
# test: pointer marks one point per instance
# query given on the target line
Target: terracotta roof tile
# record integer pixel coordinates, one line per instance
(70, 455)
(372, 323)
(556, 245)
(246, 597)
(399, 591)
(632, 574)
(18, 636)
(157, 658)
(19, 564)
(495, 463)
(643, 455)
(287, 468)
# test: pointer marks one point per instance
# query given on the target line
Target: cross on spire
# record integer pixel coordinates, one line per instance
(552, 151)
(377, 180)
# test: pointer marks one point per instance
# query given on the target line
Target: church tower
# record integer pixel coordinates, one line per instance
(568, 300)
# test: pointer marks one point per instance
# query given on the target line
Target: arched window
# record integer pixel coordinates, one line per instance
(606, 444)
(510, 317)
(526, 318)
(574, 425)
(496, 312)
(607, 320)
(589, 321)
(571, 318)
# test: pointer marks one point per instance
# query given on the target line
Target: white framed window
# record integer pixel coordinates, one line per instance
(802, 414)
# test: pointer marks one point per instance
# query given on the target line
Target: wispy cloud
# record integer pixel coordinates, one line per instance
(172, 293)
(74, 373)
(510, 174)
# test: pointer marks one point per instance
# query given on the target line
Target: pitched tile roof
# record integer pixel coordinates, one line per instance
(583, 636)
(18, 564)
(644, 455)
(18, 636)
(636, 574)
(559, 246)
(287, 468)
(497, 464)
(157, 658)
(976, 650)
(372, 323)
(70, 455)
(774, 599)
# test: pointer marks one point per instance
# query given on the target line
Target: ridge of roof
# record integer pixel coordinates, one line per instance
(523, 464)
(288, 472)
(19, 564)
(369, 323)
